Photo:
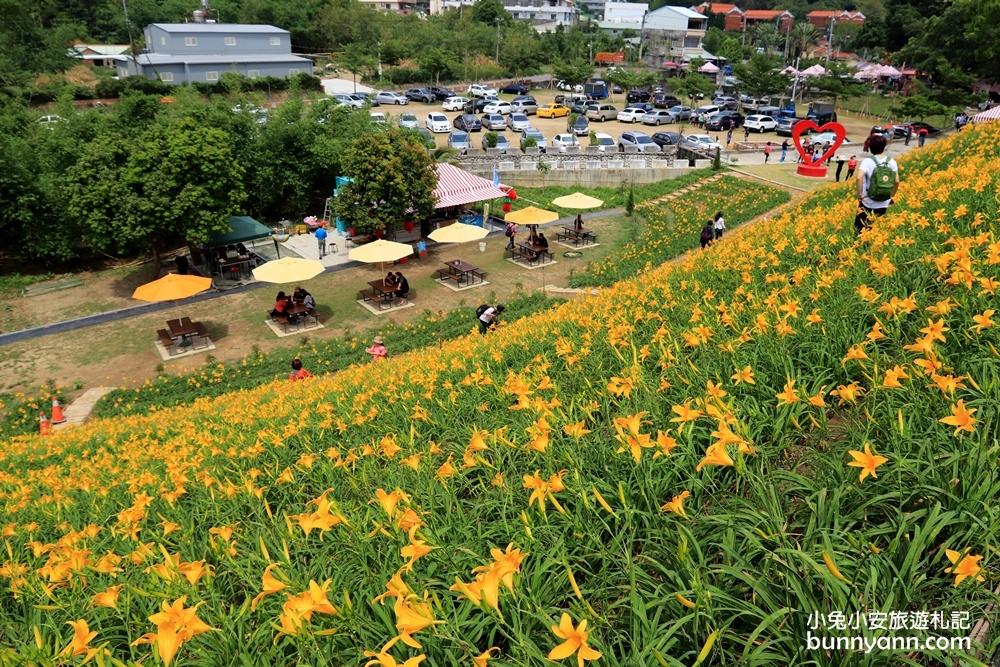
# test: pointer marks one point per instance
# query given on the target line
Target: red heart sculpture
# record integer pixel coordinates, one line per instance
(804, 125)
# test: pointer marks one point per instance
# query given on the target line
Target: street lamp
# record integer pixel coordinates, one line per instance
(497, 19)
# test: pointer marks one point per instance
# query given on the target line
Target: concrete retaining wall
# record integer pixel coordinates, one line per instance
(585, 177)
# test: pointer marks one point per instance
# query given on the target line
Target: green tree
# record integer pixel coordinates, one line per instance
(437, 61)
(804, 35)
(630, 79)
(519, 52)
(488, 11)
(920, 107)
(692, 86)
(838, 81)
(573, 73)
(393, 180)
(356, 61)
(176, 182)
(761, 76)
(731, 50)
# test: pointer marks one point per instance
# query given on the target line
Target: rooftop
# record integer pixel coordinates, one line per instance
(714, 7)
(218, 28)
(764, 13)
(163, 59)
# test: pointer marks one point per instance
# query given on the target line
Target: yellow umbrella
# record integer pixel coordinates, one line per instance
(577, 200)
(172, 287)
(288, 270)
(458, 233)
(531, 216)
(380, 252)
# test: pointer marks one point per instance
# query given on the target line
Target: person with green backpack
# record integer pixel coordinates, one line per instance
(877, 181)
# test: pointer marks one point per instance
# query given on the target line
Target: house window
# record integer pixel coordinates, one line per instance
(230, 41)
(166, 76)
(253, 73)
(552, 16)
(163, 41)
(292, 71)
(190, 41)
(691, 42)
(211, 76)
(275, 41)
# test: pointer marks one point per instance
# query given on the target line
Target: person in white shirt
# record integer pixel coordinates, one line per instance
(719, 225)
(488, 317)
(866, 205)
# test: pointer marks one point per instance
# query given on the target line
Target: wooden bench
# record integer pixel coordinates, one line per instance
(202, 332)
(284, 322)
(575, 237)
(380, 299)
(447, 274)
(167, 342)
(523, 254)
(480, 274)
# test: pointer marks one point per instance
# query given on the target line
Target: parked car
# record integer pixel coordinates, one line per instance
(786, 125)
(724, 120)
(601, 112)
(822, 113)
(561, 142)
(437, 122)
(657, 117)
(420, 95)
(708, 109)
(364, 99)
(502, 143)
(679, 113)
(497, 106)
(51, 120)
(663, 139)
(408, 120)
(638, 96)
(726, 102)
(665, 101)
(479, 90)
(700, 142)
(518, 122)
(455, 103)
(579, 105)
(386, 97)
(427, 137)
(259, 114)
(377, 117)
(605, 142)
(440, 93)
(515, 89)
(494, 121)
(468, 123)
(348, 100)
(460, 141)
(525, 105)
(824, 137)
(477, 105)
(581, 127)
(552, 111)
(760, 123)
(631, 114)
(917, 125)
(536, 134)
(616, 89)
(640, 140)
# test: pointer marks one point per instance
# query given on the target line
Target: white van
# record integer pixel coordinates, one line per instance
(709, 110)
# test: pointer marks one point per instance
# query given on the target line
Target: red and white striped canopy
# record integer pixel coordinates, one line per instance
(989, 114)
(456, 186)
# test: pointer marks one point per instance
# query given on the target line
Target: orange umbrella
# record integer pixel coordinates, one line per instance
(172, 287)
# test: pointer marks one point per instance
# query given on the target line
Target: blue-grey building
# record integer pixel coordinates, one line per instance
(189, 52)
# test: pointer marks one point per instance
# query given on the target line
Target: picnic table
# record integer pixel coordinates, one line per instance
(300, 310)
(225, 265)
(531, 252)
(461, 272)
(380, 293)
(181, 334)
(576, 236)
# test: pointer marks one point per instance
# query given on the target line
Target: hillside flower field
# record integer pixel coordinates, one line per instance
(689, 469)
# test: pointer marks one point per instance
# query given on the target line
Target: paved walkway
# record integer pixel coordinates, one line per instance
(78, 411)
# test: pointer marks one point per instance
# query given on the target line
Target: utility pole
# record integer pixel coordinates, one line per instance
(379, 47)
(497, 19)
(829, 40)
(131, 42)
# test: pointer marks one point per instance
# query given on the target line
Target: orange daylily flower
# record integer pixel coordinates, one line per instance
(961, 418)
(575, 641)
(788, 395)
(715, 456)
(268, 585)
(867, 461)
(676, 504)
(964, 566)
(82, 636)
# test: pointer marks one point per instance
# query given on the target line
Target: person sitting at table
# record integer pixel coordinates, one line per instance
(241, 250)
(377, 350)
(298, 373)
(578, 223)
(533, 234)
(403, 288)
(299, 295)
(542, 241)
(280, 305)
(308, 301)
(390, 282)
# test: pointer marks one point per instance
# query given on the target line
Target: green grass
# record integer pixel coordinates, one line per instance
(13, 283)
(881, 107)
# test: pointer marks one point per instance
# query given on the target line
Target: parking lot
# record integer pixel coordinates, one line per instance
(552, 126)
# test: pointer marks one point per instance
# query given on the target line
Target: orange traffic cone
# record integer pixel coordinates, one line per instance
(57, 414)
(43, 425)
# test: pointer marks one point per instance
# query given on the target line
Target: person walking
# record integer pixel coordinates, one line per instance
(909, 133)
(321, 235)
(921, 137)
(767, 152)
(510, 233)
(784, 150)
(719, 225)
(852, 164)
(876, 184)
(826, 149)
(729, 138)
(707, 233)
(840, 166)
(746, 133)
